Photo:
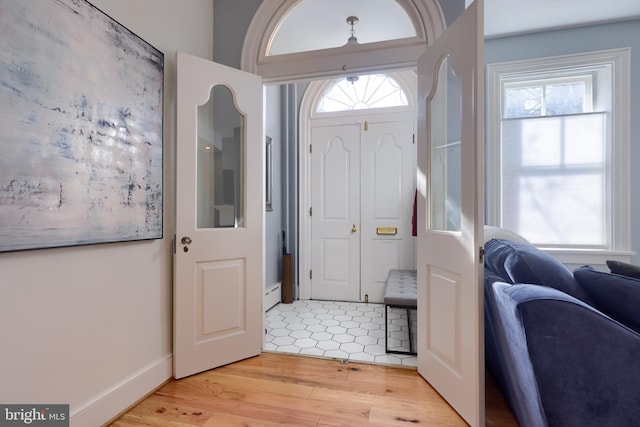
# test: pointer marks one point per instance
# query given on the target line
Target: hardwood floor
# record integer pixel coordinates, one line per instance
(283, 390)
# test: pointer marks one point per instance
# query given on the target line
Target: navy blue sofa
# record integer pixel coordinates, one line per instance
(563, 347)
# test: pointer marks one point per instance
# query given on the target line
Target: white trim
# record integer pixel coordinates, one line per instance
(117, 398)
(590, 257)
(272, 296)
(619, 59)
(426, 16)
(309, 118)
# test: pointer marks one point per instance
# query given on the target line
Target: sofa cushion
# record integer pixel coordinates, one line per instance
(615, 295)
(624, 269)
(496, 252)
(523, 263)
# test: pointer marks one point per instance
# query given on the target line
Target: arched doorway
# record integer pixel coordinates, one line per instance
(360, 172)
(425, 17)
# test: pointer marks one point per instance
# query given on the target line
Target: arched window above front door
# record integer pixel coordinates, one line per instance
(362, 92)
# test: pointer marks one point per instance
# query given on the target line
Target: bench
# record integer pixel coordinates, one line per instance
(400, 291)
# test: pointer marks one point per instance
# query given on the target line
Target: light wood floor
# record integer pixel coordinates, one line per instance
(282, 390)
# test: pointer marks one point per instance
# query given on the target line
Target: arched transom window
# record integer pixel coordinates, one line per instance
(357, 93)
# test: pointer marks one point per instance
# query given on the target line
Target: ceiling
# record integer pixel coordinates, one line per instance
(320, 24)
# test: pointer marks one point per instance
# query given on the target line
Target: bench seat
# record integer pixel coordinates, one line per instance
(400, 291)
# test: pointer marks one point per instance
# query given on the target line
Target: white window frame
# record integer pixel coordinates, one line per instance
(619, 193)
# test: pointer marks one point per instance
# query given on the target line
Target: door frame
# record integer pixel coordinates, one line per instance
(305, 171)
(307, 117)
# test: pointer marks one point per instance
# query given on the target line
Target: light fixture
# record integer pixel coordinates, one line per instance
(353, 40)
(352, 20)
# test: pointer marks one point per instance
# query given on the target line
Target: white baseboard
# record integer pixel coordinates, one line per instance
(272, 296)
(105, 406)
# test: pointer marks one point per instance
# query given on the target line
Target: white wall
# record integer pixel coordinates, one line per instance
(91, 326)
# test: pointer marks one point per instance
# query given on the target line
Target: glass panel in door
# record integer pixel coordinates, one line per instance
(445, 124)
(220, 166)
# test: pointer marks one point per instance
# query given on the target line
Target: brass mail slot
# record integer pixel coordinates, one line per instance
(389, 231)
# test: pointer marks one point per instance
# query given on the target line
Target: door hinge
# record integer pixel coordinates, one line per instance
(310, 148)
(481, 255)
(174, 244)
(311, 211)
(366, 125)
(414, 138)
(310, 274)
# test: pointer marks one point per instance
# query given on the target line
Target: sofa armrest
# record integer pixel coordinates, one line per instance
(585, 364)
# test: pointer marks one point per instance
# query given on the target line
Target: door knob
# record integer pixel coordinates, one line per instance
(186, 240)
(354, 228)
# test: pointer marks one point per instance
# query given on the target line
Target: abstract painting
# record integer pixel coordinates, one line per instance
(81, 104)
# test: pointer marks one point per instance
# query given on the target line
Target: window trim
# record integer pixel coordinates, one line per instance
(619, 60)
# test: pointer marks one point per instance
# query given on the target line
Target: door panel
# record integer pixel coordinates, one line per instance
(335, 220)
(450, 208)
(218, 267)
(388, 186)
(363, 184)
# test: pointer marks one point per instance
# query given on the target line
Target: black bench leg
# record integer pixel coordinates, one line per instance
(386, 330)
(409, 326)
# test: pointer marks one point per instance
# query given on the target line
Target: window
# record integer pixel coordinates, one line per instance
(557, 152)
(357, 93)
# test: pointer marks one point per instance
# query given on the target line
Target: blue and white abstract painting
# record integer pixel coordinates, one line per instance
(81, 103)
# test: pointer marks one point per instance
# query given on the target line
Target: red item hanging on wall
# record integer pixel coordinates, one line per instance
(414, 216)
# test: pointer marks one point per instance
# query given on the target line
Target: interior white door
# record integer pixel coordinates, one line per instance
(335, 219)
(388, 164)
(218, 263)
(450, 208)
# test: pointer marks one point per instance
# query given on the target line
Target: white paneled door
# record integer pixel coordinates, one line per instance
(218, 262)
(388, 171)
(335, 213)
(363, 185)
(450, 207)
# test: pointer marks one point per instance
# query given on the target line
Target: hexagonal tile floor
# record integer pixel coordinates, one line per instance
(339, 330)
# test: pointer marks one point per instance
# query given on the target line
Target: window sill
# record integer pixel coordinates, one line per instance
(588, 256)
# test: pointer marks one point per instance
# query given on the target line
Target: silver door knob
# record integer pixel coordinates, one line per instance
(186, 240)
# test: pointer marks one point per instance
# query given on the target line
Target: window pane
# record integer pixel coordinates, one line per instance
(554, 141)
(554, 174)
(445, 171)
(357, 93)
(556, 209)
(523, 102)
(565, 98)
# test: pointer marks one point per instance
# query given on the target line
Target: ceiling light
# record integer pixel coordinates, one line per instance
(352, 20)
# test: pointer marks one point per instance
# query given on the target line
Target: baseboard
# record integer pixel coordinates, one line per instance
(272, 296)
(105, 406)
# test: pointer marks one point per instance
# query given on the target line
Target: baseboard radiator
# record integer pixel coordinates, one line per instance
(272, 296)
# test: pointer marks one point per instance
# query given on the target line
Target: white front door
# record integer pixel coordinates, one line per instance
(450, 208)
(218, 263)
(362, 186)
(388, 165)
(335, 215)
